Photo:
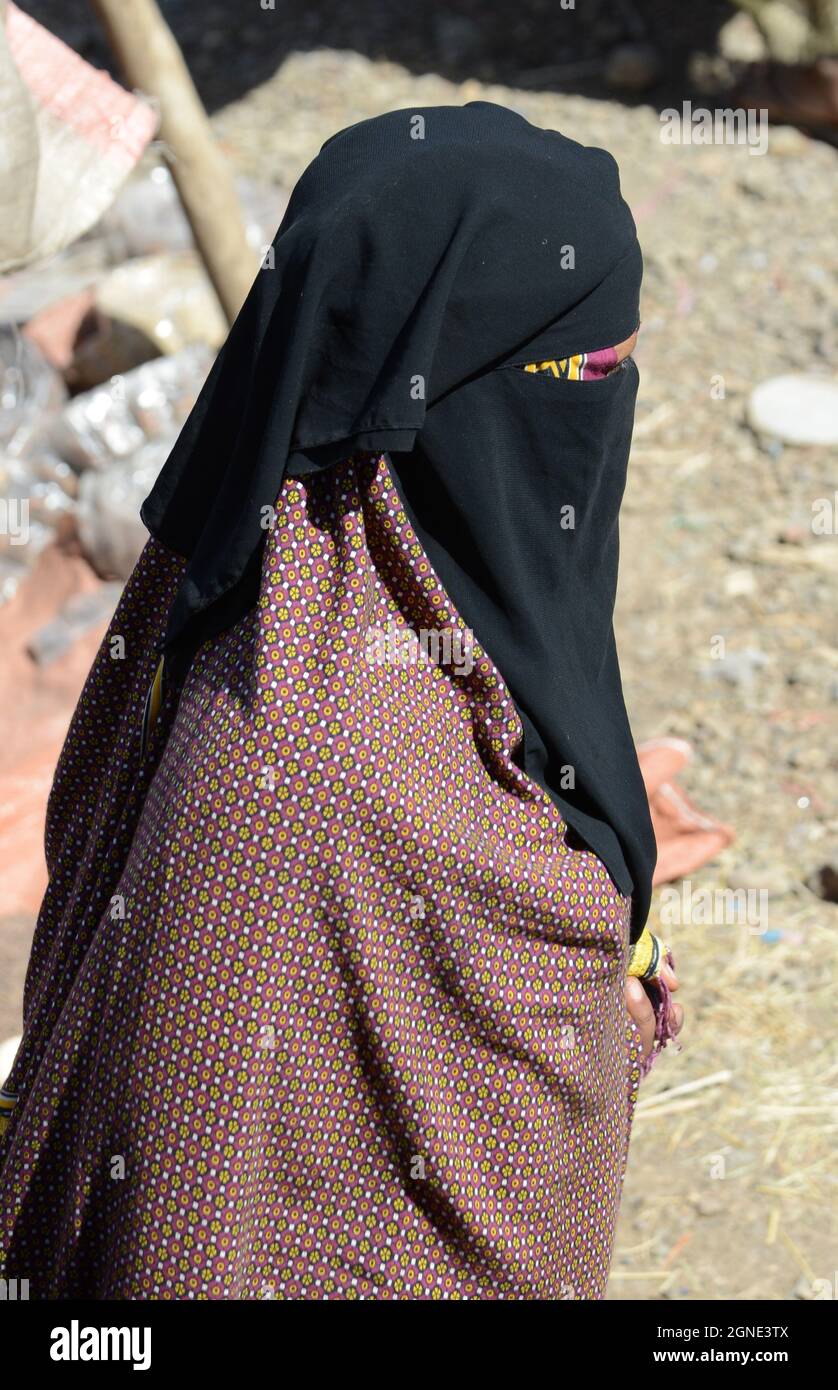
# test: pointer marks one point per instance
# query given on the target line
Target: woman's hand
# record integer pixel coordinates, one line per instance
(643, 1015)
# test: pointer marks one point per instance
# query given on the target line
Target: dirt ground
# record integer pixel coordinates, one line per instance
(726, 612)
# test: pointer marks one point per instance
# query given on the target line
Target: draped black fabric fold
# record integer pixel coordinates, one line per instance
(424, 255)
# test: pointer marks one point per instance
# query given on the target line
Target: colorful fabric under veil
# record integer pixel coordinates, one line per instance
(322, 1002)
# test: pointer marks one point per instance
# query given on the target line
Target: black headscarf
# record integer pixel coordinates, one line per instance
(424, 256)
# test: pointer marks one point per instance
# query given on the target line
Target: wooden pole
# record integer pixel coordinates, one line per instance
(153, 64)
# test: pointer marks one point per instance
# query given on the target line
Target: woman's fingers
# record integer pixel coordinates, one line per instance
(641, 1012)
(669, 977)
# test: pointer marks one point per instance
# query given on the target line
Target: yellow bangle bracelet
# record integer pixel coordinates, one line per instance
(647, 956)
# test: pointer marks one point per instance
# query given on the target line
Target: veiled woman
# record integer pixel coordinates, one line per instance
(349, 852)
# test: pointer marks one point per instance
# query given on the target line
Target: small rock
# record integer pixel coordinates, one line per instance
(796, 409)
(740, 40)
(787, 142)
(792, 535)
(632, 67)
(803, 1290)
(740, 582)
(738, 668)
(106, 347)
(823, 882)
(709, 1204)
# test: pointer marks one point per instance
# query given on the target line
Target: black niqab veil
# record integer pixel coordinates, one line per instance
(424, 256)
